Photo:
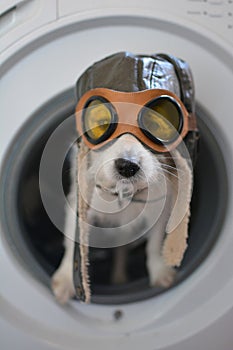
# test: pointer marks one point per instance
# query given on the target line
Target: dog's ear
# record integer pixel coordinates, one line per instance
(175, 242)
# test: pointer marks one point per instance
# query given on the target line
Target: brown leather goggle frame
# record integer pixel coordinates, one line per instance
(128, 105)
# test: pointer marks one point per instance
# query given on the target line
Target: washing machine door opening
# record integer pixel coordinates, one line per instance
(39, 244)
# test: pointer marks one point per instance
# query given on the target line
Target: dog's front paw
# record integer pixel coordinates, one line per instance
(62, 286)
(161, 274)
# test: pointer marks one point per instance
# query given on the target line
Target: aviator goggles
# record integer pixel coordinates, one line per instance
(156, 117)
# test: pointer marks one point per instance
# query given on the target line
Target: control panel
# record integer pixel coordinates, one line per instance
(215, 15)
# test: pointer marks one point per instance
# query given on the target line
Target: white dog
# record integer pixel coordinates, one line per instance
(128, 167)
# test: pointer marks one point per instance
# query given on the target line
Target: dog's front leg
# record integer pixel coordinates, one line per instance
(159, 273)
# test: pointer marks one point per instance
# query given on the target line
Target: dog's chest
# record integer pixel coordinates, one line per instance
(129, 214)
(108, 211)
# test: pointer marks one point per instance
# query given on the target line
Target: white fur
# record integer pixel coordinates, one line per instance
(106, 207)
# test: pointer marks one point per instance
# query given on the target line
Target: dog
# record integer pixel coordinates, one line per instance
(150, 170)
(136, 194)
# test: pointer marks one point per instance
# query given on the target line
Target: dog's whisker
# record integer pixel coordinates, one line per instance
(169, 172)
(165, 168)
(141, 177)
(172, 167)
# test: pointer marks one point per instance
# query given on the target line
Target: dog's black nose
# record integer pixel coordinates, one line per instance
(125, 167)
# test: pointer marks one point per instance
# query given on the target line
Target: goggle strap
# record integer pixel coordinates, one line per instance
(192, 122)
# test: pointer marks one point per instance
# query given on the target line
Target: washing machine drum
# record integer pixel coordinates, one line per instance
(133, 73)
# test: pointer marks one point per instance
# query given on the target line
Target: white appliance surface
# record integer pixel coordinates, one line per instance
(44, 47)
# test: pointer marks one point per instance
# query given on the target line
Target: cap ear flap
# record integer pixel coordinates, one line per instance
(81, 274)
(175, 242)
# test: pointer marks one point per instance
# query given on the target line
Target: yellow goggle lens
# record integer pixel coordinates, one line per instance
(97, 119)
(161, 119)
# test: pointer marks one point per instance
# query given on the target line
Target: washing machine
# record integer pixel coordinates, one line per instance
(45, 46)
